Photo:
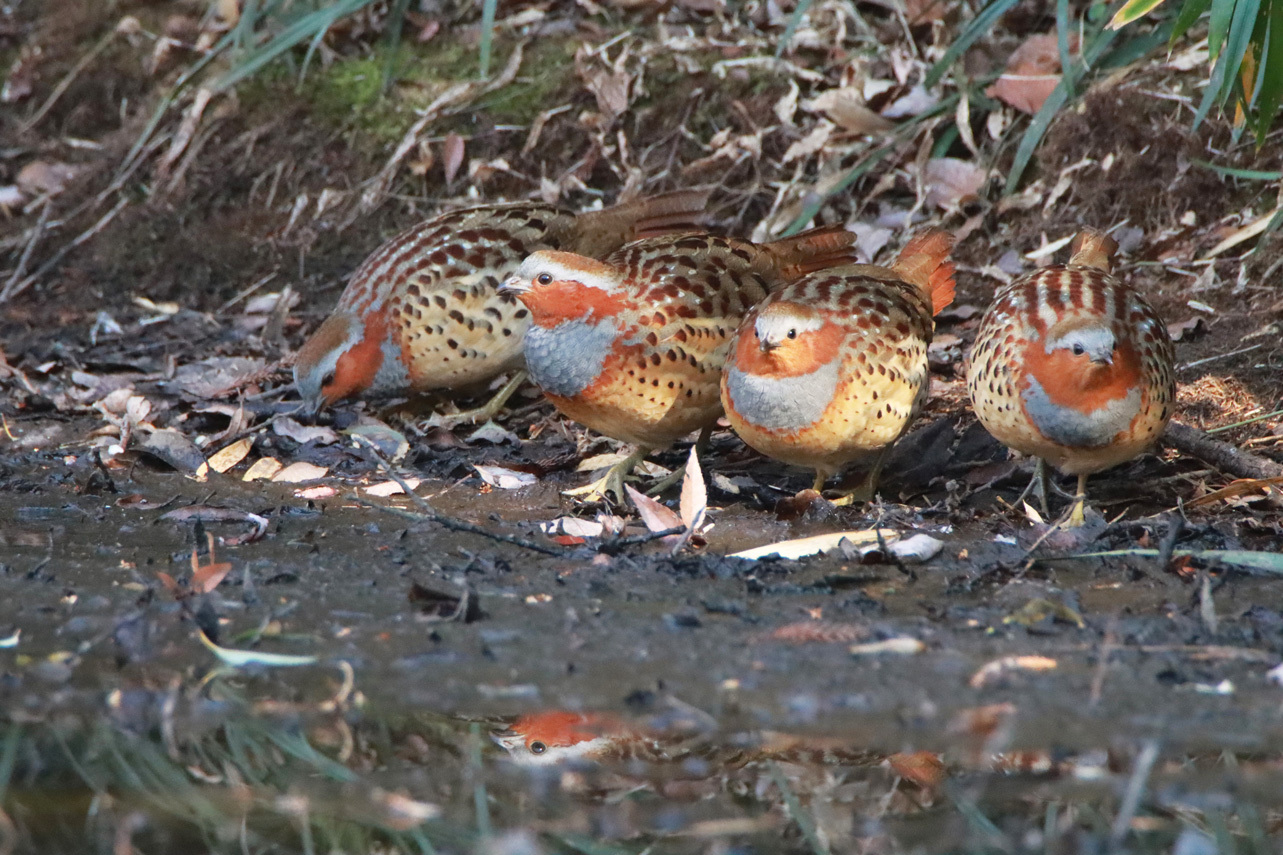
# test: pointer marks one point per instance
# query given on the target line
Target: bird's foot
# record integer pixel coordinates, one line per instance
(612, 483)
(488, 410)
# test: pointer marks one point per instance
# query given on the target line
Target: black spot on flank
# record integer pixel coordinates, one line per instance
(521, 313)
(452, 344)
(507, 332)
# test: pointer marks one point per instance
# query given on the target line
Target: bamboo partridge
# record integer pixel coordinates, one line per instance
(833, 368)
(633, 346)
(423, 312)
(1072, 366)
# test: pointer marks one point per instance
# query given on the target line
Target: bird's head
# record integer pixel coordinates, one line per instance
(1089, 343)
(558, 286)
(556, 737)
(339, 360)
(786, 338)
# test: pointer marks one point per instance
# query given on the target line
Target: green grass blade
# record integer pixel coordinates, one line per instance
(980, 26)
(396, 24)
(1269, 90)
(310, 25)
(1219, 25)
(1062, 44)
(794, 21)
(487, 34)
(1236, 44)
(1190, 12)
(1131, 10)
(1246, 174)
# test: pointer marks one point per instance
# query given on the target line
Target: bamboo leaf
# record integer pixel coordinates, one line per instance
(311, 25)
(1219, 25)
(1132, 10)
(794, 20)
(1190, 12)
(1270, 91)
(242, 658)
(1067, 67)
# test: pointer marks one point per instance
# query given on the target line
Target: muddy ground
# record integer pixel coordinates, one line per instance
(1077, 704)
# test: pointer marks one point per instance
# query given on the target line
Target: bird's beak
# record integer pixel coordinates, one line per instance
(767, 344)
(508, 740)
(1107, 359)
(513, 285)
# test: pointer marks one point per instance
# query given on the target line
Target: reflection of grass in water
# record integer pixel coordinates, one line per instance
(268, 787)
(258, 784)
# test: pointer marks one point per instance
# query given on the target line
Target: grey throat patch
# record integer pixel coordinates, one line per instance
(563, 360)
(784, 403)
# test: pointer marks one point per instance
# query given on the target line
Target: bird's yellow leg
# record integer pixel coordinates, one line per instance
(869, 486)
(610, 483)
(701, 447)
(1076, 515)
(489, 409)
(1040, 483)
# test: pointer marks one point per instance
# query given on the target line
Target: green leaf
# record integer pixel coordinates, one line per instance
(1131, 10)
(310, 25)
(1266, 562)
(1269, 93)
(1222, 13)
(1062, 44)
(395, 24)
(487, 34)
(980, 26)
(1190, 12)
(1246, 174)
(1236, 44)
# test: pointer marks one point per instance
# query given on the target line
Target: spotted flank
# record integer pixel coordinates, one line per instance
(429, 298)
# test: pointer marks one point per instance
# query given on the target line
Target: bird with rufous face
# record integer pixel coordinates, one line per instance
(1074, 367)
(424, 312)
(633, 345)
(833, 368)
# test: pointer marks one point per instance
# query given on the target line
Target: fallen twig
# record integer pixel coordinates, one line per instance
(427, 513)
(1222, 455)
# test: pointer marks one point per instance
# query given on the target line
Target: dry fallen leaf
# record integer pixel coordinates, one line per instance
(952, 183)
(228, 456)
(991, 671)
(452, 156)
(263, 469)
(802, 547)
(390, 488)
(656, 516)
(846, 107)
(504, 478)
(694, 501)
(300, 471)
(1032, 73)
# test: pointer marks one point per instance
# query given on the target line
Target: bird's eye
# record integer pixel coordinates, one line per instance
(538, 748)
(1078, 350)
(792, 333)
(756, 334)
(544, 278)
(328, 379)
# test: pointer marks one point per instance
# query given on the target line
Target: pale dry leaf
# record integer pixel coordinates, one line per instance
(300, 471)
(656, 516)
(1032, 73)
(952, 182)
(504, 478)
(390, 488)
(802, 547)
(40, 177)
(811, 143)
(263, 469)
(303, 434)
(573, 526)
(228, 456)
(902, 645)
(846, 108)
(917, 549)
(913, 103)
(994, 669)
(321, 491)
(452, 156)
(694, 501)
(601, 461)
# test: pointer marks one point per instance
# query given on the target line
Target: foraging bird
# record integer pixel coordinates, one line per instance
(424, 312)
(557, 737)
(633, 346)
(833, 368)
(1072, 366)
